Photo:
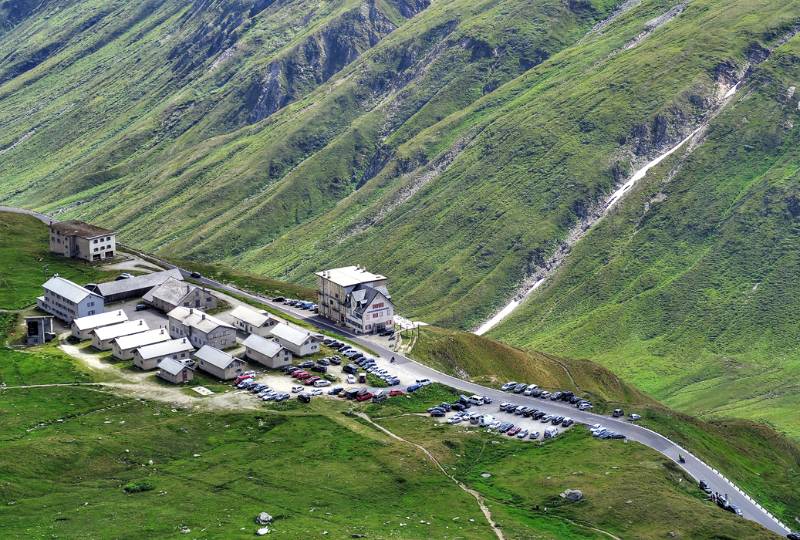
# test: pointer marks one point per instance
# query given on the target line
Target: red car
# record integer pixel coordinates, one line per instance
(242, 377)
(302, 375)
(513, 431)
(310, 381)
(394, 393)
(364, 397)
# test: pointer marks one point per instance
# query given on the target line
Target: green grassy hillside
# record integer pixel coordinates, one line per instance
(689, 291)
(490, 362)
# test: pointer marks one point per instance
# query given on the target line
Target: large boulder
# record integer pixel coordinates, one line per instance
(572, 495)
(263, 518)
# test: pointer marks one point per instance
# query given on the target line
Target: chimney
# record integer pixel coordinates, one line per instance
(191, 311)
(203, 316)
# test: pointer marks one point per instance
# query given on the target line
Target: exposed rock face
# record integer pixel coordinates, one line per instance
(323, 55)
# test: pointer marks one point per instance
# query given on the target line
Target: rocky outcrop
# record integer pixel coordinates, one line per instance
(321, 56)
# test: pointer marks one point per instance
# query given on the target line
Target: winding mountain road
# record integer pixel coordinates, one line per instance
(695, 467)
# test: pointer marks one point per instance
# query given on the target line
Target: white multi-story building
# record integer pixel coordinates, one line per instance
(68, 301)
(80, 240)
(355, 298)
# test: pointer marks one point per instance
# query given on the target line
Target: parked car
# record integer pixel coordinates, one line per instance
(321, 383)
(634, 417)
(279, 299)
(617, 413)
(297, 389)
(196, 275)
(545, 394)
(508, 386)
(141, 307)
(528, 391)
(413, 388)
(304, 398)
(124, 275)
(368, 395)
(520, 388)
(522, 434)
(335, 360)
(395, 393)
(513, 431)
(534, 435)
(567, 422)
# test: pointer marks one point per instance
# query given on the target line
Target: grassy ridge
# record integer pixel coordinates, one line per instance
(689, 290)
(490, 362)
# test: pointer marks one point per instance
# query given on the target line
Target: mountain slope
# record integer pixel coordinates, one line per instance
(689, 290)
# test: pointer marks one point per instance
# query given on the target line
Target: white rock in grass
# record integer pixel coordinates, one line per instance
(262, 531)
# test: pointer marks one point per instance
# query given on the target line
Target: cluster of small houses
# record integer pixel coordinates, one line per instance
(193, 339)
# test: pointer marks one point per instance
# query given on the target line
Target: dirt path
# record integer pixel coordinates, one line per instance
(478, 497)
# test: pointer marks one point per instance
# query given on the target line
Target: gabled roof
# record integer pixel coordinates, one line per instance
(66, 288)
(291, 334)
(215, 357)
(172, 346)
(250, 316)
(349, 275)
(134, 341)
(362, 298)
(197, 319)
(101, 319)
(171, 291)
(173, 366)
(136, 283)
(79, 228)
(267, 347)
(126, 328)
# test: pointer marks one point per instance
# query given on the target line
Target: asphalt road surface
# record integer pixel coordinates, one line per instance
(698, 469)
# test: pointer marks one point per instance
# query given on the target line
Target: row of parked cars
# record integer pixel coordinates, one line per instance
(302, 304)
(601, 432)
(533, 390)
(491, 423)
(262, 391)
(371, 366)
(535, 414)
(460, 405)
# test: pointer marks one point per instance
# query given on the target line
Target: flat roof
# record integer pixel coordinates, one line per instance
(122, 329)
(66, 288)
(349, 275)
(164, 348)
(136, 283)
(80, 228)
(101, 319)
(268, 347)
(134, 341)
